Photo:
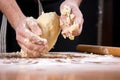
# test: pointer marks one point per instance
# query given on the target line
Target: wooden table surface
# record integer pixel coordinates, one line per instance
(83, 67)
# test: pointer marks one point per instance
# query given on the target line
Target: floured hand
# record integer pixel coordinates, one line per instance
(71, 20)
(28, 37)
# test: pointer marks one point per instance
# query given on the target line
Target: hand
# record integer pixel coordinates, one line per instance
(72, 21)
(28, 36)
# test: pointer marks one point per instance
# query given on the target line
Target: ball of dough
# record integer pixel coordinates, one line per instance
(50, 26)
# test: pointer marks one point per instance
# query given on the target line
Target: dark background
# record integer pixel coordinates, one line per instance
(116, 23)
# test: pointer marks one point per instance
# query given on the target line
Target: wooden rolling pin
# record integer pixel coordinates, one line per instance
(115, 51)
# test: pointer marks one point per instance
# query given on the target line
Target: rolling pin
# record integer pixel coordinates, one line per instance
(107, 50)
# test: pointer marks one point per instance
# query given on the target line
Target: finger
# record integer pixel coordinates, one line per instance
(78, 20)
(31, 23)
(37, 40)
(63, 18)
(33, 53)
(30, 53)
(66, 32)
(64, 22)
(80, 26)
(31, 36)
(26, 42)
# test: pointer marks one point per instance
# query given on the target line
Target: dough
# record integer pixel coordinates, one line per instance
(50, 26)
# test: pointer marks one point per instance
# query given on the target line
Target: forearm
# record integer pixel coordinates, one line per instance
(78, 2)
(11, 11)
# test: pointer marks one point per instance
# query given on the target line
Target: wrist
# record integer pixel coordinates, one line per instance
(76, 2)
(19, 20)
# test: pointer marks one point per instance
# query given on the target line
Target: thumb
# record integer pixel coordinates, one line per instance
(31, 23)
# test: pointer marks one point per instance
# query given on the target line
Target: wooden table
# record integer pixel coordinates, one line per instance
(73, 66)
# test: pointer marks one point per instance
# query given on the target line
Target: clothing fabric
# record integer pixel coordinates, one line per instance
(3, 30)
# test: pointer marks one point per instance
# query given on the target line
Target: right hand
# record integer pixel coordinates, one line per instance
(28, 36)
(71, 19)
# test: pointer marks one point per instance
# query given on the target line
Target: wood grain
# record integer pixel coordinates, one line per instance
(115, 51)
(47, 55)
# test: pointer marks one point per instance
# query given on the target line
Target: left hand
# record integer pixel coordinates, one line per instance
(28, 37)
(78, 19)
